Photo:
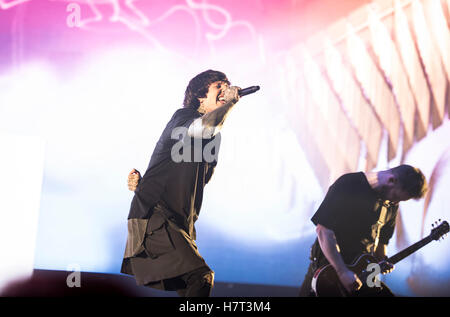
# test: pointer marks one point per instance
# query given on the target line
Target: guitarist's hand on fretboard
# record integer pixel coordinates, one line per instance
(386, 267)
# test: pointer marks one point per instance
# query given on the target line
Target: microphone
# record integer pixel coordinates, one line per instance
(248, 90)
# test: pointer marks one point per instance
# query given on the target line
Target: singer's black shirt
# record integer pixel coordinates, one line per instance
(170, 196)
(178, 184)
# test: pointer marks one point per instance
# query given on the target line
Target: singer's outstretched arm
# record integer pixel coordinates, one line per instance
(211, 122)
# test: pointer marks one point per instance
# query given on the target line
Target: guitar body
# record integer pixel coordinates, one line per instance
(326, 283)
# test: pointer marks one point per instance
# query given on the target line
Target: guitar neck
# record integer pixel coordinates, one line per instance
(409, 250)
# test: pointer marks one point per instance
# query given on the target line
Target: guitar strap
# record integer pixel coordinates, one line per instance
(380, 224)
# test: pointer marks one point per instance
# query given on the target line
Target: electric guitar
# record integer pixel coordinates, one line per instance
(326, 282)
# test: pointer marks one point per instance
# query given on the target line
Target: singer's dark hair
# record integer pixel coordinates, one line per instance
(198, 87)
(411, 180)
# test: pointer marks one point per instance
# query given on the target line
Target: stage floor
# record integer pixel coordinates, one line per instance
(46, 283)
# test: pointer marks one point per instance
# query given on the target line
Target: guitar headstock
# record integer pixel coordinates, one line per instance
(439, 229)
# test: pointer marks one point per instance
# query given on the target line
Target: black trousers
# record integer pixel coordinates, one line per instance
(196, 283)
(306, 290)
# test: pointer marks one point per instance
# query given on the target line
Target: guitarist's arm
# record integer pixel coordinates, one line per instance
(380, 255)
(380, 252)
(330, 249)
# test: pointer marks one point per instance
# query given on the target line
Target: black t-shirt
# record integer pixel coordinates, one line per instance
(351, 208)
(177, 183)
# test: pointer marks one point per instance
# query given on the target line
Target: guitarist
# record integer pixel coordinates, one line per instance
(347, 221)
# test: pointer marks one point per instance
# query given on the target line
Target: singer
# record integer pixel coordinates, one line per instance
(161, 251)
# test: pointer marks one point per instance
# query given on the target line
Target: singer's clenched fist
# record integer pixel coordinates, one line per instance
(133, 179)
(231, 94)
